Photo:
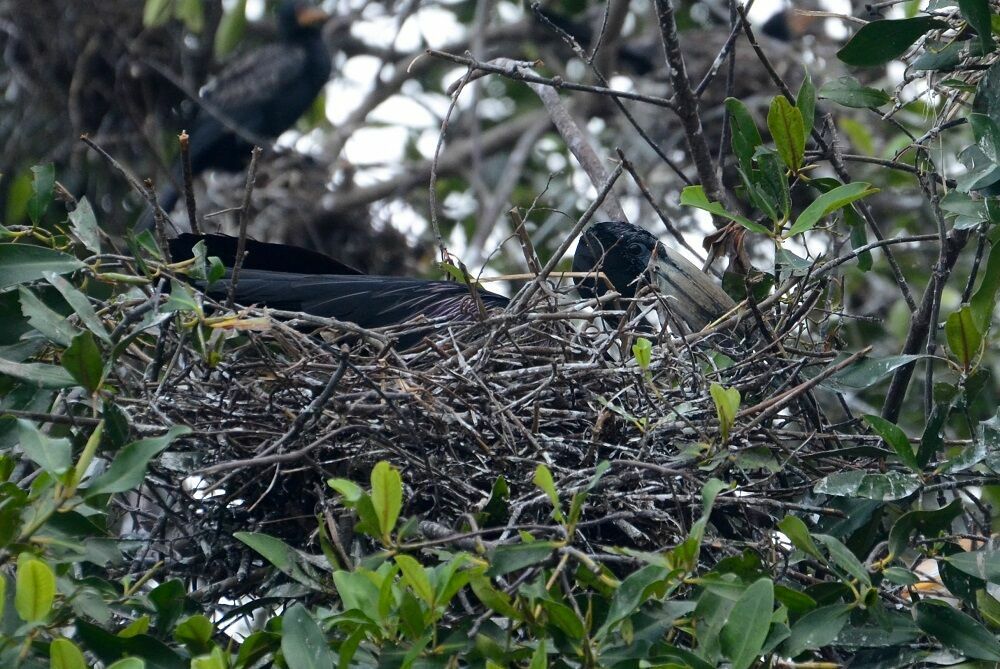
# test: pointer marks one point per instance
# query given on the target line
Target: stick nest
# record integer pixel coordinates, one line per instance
(279, 409)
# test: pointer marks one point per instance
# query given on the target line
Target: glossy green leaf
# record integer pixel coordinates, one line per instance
(983, 564)
(795, 529)
(805, 100)
(64, 654)
(964, 338)
(543, 479)
(231, 29)
(50, 323)
(694, 196)
(83, 224)
(387, 495)
(849, 92)
(749, 621)
(416, 577)
(42, 187)
(81, 305)
(927, 523)
(746, 136)
(896, 439)
(788, 131)
(629, 595)
(842, 556)
(879, 42)
(505, 559)
(828, 203)
(52, 455)
(727, 404)
(23, 263)
(39, 374)
(956, 630)
(977, 13)
(867, 372)
(983, 302)
(82, 359)
(35, 590)
(302, 641)
(989, 608)
(642, 349)
(885, 487)
(816, 629)
(129, 466)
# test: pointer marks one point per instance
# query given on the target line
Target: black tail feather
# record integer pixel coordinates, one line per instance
(261, 255)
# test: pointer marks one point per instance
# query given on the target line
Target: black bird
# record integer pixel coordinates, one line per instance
(262, 94)
(294, 279)
(627, 255)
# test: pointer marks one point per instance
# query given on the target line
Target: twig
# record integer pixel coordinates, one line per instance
(189, 201)
(241, 244)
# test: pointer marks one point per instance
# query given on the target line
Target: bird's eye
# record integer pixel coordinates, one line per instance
(635, 249)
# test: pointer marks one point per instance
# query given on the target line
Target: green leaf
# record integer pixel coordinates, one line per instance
(505, 559)
(989, 608)
(539, 659)
(350, 490)
(884, 487)
(827, 203)
(63, 654)
(52, 455)
(849, 92)
(795, 529)
(817, 629)
(576, 506)
(416, 577)
(543, 479)
(694, 196)
(192, 14)
(42, 187)
(964, 338)
(49, 323)
(23, 263)
(156, 12)
(40, 374)
(983, 564)
(81, 305)
(749, 620)
(956, 630)
(231, 29)
(302, 641)
(128, 663)
(805, 100)
(866, 373)
(642, 350)
(842, 556)
(927, 523)
(879, 42)
(497, 600)
(129, 466)
(35, 589)
(896, 439)
(83, 223)
(984, 300)
(387, 495)
(82, 359)
(727, 404)
(746, 136)
(195, 632)
(977, 13)
(629, 595)
(788, 131)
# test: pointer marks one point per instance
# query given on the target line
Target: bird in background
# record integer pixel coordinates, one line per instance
(256, 97)
(289, 278)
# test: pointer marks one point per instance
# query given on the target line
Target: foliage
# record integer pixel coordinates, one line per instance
(866, 545)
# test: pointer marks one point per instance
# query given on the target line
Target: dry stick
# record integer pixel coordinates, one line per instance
(192, 212)
(432, 186)
(687, 104)
(770, 406)
(555, 82)
(521, 299)
(134, 182)
(527, 248)
(939, 276)
(159, 221)
(618, 103)
(241, 243)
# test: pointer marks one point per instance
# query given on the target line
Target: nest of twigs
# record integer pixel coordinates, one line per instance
(291, 403)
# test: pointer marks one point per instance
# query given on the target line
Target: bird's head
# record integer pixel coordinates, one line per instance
(620, 250)
(296, 17)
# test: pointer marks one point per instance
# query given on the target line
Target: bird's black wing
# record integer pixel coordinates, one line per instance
(369, 301)
(260, 255)
(253, 79)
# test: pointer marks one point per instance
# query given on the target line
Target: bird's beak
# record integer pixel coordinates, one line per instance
(310, 16)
